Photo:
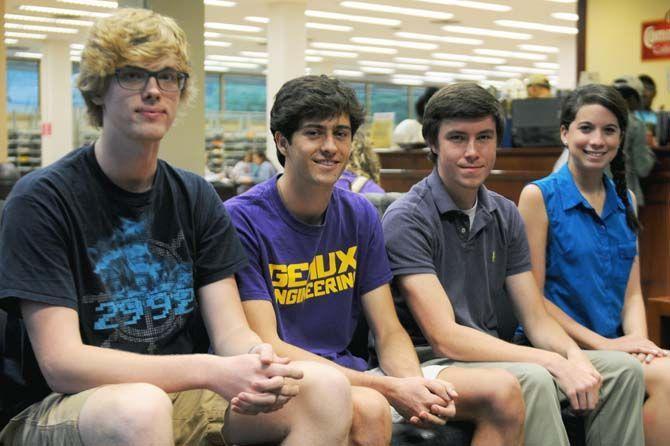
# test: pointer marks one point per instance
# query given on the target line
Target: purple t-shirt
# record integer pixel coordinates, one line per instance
(348, 177)
(314, 275)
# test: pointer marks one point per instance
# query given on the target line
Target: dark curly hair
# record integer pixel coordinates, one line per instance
(312, 97)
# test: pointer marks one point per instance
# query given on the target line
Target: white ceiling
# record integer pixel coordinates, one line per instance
(537, 11)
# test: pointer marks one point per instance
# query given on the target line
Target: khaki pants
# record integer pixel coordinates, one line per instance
(616, 421)
(198, 417)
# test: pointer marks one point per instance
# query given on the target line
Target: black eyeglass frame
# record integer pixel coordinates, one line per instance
(182, 78)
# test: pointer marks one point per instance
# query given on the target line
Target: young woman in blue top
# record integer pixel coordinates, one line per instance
(582, 230)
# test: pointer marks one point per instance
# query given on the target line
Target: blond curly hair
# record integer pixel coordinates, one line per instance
(128, 37)
(363, 160)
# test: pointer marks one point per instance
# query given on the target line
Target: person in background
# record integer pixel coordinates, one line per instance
(459, 251)
(582, 230)
(243, 169)
(261, 170)
(363, 170)
(638, 156)
(645, 113)
(407, 134)
(122, 268)
(538, 86)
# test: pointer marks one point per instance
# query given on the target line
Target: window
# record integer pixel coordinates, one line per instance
(212, 92)
(77, 98)
(244, 93)
(359, 88)
(389, 98)
(23, 85)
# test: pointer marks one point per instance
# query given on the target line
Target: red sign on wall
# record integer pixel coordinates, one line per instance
(656, 40)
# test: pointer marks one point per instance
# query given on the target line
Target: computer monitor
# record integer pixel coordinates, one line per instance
(536, 122)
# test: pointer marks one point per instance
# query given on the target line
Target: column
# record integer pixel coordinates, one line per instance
(287, 39)
(567, 61)
(3, 87)
(56, 100)
(184, 145)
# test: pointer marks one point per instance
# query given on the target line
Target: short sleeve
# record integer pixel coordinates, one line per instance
(35, 257)
(518, 251)
(409, 242)
(219, 253)
(375, 270)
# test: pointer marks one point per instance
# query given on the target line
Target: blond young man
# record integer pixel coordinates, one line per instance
(118, 263)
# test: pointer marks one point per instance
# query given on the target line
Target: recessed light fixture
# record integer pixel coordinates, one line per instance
(346, 47)
(260, 54)
(225, 58)
(228, 36)
(95, 3)
(216, 63)
(489, 72)
(471, 4)
(377, 70)
(537, 26)
(396, 43)
(217, 43)
(348, 73)
(388, 9)
(538, 48)
(516, 69)
(329, 27)
(218, 69)
(434, 38)
(211, 35)
(547, 65)
(222, 3)
(565, 16)
(486, 32)
(328, 53)
(19, 35)
(467, 58)
(76, 46)
(28, 55)
(510, 54)
(75, 58)
(313, 59)
(233, 27)
(33, 18)
(439, 63)
(463, 76)
(62, 11)
(352, 18)
(11, 41)
(399, 66)
(257, 19)
(46, 29)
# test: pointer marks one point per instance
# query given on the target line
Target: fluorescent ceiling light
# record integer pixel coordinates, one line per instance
(76, 46)
(46, 29)
(565, 16)
(463, 76)
(260, 54)
(243, 38)
(399, 66)
(327, 53)
(257, 19)
(96, 3)
(471, 4)
(348, 73)
(538, 48)
(25, 35)
(516, 69)
(548, 65)
(397, 43)
(213, 68)
(313, 59)
(328, 27)
(388, 9)
(75, 58)
(250, 66)
(401, 81)
(537, 26)
(33, 18)
(233, 27)
(486, 32)
(211, 35)
(11, 41)
(346, 47)
(489, 72)
(510, 54)
(441, 63)
(433, 38)
(62, 11)
(222, 3)
(28, 55)
(217, 43)
(224, 58)
(467, 58)
(352, 18)
(377, 70)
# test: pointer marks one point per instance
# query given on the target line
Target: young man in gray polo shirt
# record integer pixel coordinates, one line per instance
(455, 248)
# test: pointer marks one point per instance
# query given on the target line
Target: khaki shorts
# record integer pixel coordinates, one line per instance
(198, 417)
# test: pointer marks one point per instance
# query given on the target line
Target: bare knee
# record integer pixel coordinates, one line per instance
(372, 418)
(505, 398)
(126, 414)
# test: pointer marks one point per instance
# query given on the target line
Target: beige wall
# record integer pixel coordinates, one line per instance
(613, 47)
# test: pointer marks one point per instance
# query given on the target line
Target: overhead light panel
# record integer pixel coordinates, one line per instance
(226, 58)
(211, 35)
(547, 65)
(538, 48)
(33, 18)
(217, 69)
(388, 9)
(256, 39)
(217, 43)
(76, 46)
(328, 53)
(19, 35)
(395, 43)
(412, 82)
(11, 41)
(257, 19)
(468, 58)
(440, 63)
(348, 73)
(28, 55)
(329, 27)
(233, 27)
(531, 70)
(377, 70)
(434, 38)
(352, 18)
(222, 3)
(486, 32)
(62, 11)
(510, 54)
(471, 4)
(259, 54)
(565, 16)
(248, 66)
(462, 76)
(489, 72)
(537, 26)
(313, 59)
(399, 66)
(346, 47)
(46, 29)
(95, 3)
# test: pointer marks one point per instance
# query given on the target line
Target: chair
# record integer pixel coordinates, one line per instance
(657, 309)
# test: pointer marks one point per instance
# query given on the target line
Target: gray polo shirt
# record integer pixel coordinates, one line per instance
(426, 232)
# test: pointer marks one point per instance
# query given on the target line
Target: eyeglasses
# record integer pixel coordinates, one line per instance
(136, 79)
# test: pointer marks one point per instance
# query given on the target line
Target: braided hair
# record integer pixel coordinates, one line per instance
(612, 100)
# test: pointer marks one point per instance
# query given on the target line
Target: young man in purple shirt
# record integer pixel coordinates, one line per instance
(317, 261)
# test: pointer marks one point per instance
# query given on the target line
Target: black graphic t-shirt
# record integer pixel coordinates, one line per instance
(130, 264)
